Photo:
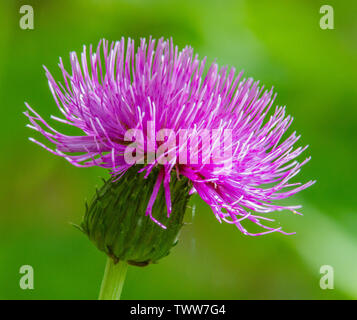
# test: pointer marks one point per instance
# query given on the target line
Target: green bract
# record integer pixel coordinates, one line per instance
(116, 223)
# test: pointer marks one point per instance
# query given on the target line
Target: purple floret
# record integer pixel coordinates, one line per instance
(118, 89)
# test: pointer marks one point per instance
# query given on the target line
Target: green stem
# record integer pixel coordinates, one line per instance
(113, 280)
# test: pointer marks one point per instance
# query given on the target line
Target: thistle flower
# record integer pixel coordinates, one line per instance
(160, 88)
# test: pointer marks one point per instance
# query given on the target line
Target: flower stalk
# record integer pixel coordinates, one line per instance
(113, 280)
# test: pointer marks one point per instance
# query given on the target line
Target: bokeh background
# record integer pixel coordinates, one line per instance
(277, 42)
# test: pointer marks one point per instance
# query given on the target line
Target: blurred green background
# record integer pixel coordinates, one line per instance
(278, 42)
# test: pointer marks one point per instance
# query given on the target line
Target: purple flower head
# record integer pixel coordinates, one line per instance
(238, 164)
